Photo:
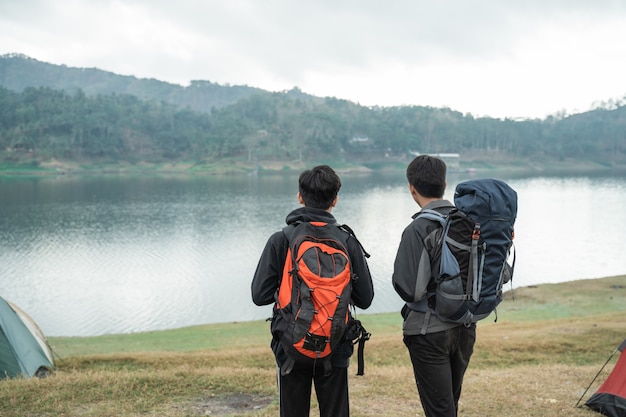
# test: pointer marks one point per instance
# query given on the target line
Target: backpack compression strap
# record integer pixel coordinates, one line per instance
(477, 276)
(360, 353)
(356, 333)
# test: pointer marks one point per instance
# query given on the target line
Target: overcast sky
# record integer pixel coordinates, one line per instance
(500, 58)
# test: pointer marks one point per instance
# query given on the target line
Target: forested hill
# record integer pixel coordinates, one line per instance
(18, 72)
(54, 112)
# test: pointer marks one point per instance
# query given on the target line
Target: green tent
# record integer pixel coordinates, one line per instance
(24, 351)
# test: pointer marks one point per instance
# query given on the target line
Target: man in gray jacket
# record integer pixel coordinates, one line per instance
(440, 350)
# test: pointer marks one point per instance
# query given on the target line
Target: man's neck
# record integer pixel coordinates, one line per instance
(423, 202)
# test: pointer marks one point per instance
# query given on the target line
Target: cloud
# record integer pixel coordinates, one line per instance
(487, 57)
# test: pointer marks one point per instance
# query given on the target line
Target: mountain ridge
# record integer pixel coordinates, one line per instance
(19, 71)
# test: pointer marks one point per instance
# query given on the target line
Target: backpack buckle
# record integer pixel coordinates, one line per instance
(476, 232)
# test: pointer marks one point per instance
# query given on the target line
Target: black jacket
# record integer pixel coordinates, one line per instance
(270, 268)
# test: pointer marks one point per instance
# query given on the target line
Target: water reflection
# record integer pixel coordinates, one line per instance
(88, 256)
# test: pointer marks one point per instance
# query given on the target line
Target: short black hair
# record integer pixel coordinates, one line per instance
(427, 174)
(319, 187)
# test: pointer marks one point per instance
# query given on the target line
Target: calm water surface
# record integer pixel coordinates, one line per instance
(91, 256)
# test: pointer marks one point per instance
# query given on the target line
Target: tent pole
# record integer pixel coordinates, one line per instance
(594, 378)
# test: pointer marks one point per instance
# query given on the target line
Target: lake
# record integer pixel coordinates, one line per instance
(89, 256)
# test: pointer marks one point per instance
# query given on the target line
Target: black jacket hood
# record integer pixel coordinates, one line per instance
(307, 214)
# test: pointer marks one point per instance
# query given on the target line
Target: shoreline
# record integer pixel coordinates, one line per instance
(54, 167)
(392, 314)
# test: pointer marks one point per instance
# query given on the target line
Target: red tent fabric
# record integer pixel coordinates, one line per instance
(610, 398)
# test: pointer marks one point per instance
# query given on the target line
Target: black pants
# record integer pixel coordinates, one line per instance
(331, 390)
(439, 363)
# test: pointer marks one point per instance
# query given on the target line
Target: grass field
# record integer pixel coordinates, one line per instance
(536, 360)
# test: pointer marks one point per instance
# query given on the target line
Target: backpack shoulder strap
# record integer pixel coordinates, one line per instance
(447, 264)
(288, 230)
(436, 216)
(433, 215)
(349, 231)
(423, 305)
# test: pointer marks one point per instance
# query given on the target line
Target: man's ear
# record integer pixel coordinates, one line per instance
(300, 200)
(416, 196)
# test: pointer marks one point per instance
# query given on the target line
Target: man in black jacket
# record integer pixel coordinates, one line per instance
(318, 189)
(440, 350)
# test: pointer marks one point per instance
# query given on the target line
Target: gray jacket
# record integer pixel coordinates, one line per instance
(412, 276)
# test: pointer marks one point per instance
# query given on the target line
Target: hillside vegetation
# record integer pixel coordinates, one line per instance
(86, 116)
(536, 360)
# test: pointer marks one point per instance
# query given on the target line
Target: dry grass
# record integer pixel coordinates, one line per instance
(521, 367)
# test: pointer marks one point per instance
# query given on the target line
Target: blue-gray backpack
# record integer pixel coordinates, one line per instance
(471, 250)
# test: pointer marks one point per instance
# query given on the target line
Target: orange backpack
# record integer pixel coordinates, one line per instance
(314, 297)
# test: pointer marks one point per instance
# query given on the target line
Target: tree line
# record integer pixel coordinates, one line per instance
(48, 123)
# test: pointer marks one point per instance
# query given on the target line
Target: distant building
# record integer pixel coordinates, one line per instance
(359, 139)
(452, 160)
